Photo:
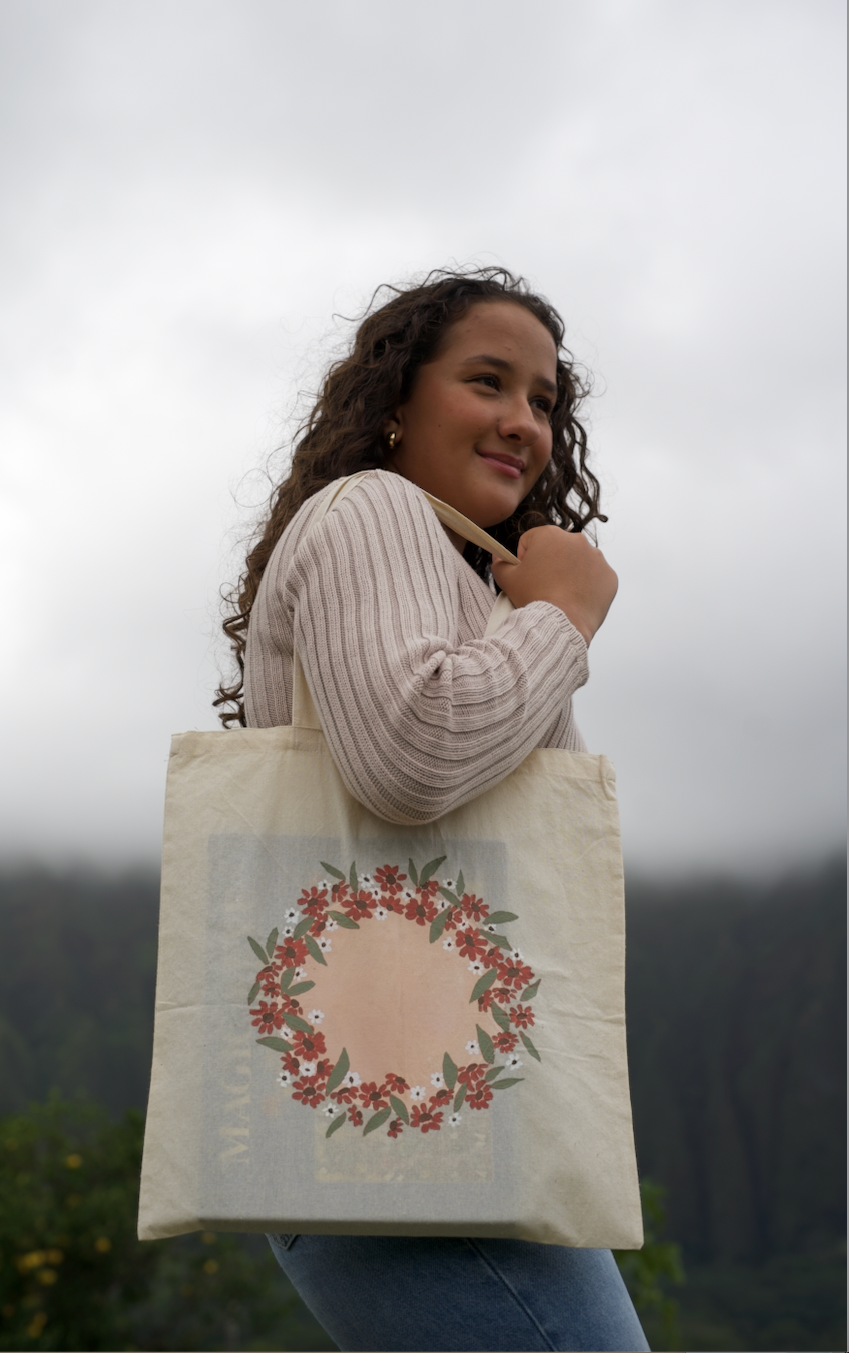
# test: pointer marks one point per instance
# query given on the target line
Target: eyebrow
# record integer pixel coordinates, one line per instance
(503, 365)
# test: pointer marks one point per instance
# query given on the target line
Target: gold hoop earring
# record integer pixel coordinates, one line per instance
(392, 439)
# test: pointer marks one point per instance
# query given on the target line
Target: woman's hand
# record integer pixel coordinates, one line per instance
(564, 568)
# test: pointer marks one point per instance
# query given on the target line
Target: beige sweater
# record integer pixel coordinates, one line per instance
(420, 713)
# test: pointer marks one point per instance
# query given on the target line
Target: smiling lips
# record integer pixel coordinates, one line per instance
(512, 466)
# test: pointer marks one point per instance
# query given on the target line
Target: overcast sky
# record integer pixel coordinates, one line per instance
(192, 189)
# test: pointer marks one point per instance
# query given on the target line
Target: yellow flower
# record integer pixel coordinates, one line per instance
(211, 1266)
(26, 1262)
(208, 1237)
(103, 1244)
(54, 1256)
(36, 1325)
(73, 1161)
(47, 1276)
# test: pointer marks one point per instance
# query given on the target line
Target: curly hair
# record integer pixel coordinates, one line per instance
(343, 432)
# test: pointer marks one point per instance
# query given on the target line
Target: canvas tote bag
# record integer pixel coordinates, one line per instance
(366, 1028)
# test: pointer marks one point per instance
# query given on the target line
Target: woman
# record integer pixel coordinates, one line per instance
(460, 387)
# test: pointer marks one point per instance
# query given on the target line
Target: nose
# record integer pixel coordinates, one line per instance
(518, 424)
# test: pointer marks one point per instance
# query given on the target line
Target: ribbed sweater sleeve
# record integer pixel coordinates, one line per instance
(417, 719)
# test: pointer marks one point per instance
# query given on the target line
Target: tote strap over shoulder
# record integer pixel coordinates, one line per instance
(304, 713)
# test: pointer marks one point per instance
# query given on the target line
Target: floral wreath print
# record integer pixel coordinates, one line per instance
(504, 987)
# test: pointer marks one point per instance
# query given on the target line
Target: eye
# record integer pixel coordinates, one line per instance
(544, 404)
(494, 383)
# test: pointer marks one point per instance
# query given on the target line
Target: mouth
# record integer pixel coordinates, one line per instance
(512, 466)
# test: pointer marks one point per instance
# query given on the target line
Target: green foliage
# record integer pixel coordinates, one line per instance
(74, 1276)
(647, 1272)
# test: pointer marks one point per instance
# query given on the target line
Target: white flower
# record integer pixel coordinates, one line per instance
(352, 1080)
(366, 881)
(454, 1119)
(315, 1016)
(308, 1068)
(408, 894)
(324, 944)
(322, 885)
(437, 1080)
(450, 884)
(490, 928)
(331, 1110)
(518, 956)
(300, 974)
(284, 1078)
(448, 944)
(381, 914)
(476, 967)
(331, 925)
(418, 1092)
(288, 932)
(513, 1062)
(472, 1047)
(292, 916)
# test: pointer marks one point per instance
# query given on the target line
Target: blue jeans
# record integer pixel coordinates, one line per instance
(380, 1293)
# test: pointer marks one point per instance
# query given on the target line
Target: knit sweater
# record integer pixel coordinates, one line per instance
(420, 713)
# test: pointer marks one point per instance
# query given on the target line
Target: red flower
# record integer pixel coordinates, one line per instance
(346, 1094)
(396, 1084)
(493, 957)
(268, 1017)
(359, 908)
(479, 1097)
(522, 1015)
(420, 909)
(396, 1127)
(270, 981)
(514, 974)
(426, 1119)
(323, 1069)
(291, 1063)
(470, 944)
(371, 1097)
(474, 907)
(428, 890)
(338, 893)
(505, 1042)
(471, 1074)
(390, 878)
(308, 1091)
(290, 1005)
(291, 953)
(313, 901)
(319, 924)
(443, 1096)
(309, 1046)
(355, 1117)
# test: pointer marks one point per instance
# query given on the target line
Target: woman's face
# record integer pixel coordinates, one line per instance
(476, 429)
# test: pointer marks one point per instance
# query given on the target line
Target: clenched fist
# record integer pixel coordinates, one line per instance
(564, 568)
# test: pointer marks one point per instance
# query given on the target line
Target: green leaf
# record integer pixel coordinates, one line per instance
(500, 1016)
(500, 940)
(449, 1072)
(313, 949)
(449, 896)
(286, 979)
(339, 1071)
(276, 1044)
(531, 991)
(460, 1096)
(399, 1108)
(344, 921)
(337, 1122)
(302, 927)
(377, 1121)
(529, 1045)
(353, 880)
(430, 869)
(295, 1022)
(482, 984)
(485, 1044)
(505, 1085)
(337, 873)
(258, 950)
(253, 993)
(301, 988)
(413, 872)
(461, 885)
(437, 926)
(502, 917)
(493, 1072)
(271, 942)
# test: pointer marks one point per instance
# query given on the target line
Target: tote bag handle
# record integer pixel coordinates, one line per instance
(303, 710)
